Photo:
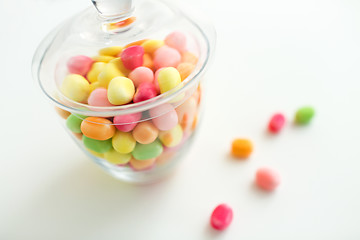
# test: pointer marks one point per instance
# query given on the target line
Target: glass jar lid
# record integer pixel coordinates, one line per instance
(117, 23)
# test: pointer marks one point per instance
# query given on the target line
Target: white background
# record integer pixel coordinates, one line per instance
(271, 56)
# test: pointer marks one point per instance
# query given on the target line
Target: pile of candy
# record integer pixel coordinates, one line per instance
(123, 75)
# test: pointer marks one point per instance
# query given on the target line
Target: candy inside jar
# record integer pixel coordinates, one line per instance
(130, 93)
(134, 141)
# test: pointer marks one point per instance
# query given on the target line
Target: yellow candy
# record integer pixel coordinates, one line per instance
(150, 46)
(109, 72)
(94, 86)
(119, 64)
(110, 51)
(168, 79)
(100, 155)
(76, 87)
(123, 142)
(95, 70)
(104, 59)
(116, 158)
(172, 137)
(121, 91)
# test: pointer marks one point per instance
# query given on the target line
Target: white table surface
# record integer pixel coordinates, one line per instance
(271, 56)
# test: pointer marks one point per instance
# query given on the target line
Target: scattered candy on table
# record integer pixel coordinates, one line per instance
(241, 148)
(304, 115)
(221, 217)
(276, 123)
(267, 179)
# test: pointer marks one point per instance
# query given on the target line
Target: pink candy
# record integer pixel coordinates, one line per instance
(145, 91)
(79, 64)
(221, 217)
(176, 40)
(164, 117)
(99, 98)
(267, 179)
(166, 57)
(140, 75)
(126, 123)
(132, 57)
(276, 123)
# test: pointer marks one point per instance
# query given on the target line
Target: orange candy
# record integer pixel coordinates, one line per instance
(142, 164)
(148, 62)
(62, 113)
(185, 69)
(241, 148)
(195, 122)
(186, 113)
(164, 157)
(97, 128)
(189, 58)
(197, 94)
(135, 43)
(78, 135)
(145, 132)
(122, 23)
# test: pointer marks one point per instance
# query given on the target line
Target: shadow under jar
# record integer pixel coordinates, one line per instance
(127, 81)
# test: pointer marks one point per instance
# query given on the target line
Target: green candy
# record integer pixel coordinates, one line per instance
(97, 145)
(147, 151)
(304, 115)
(73, 122)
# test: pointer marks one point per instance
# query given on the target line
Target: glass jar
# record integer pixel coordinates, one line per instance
(142, 138)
